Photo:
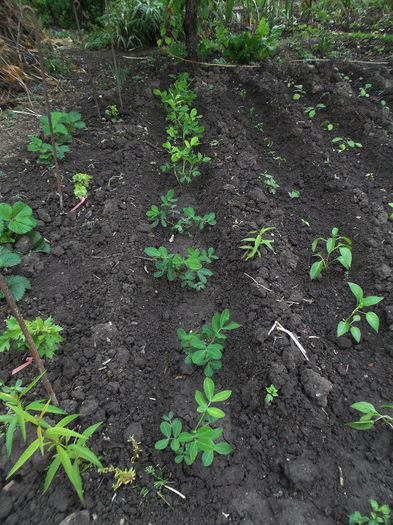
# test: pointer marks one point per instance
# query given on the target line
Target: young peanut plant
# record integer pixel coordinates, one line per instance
(187, 445)
(348, 325)
(272, 392)
(204, 348)
(333, 244)
(311, 110)
(379, 514)
(189, 219)
(188, 269)
(184, 160)
(253, 249)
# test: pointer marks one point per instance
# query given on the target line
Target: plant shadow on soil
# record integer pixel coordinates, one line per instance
(295, 461)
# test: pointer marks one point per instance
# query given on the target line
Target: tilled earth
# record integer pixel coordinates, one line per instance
(295, 462)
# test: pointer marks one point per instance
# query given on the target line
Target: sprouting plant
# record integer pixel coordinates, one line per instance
(298, 92)
(253, 249)
(343, 143)
(370, 416)
(304, 222)
(361, 302)
(15, 220)
(187, 445)
(45, 334)
(333, 244)
(369, 176)
(311, 110)
(63, 125)
(379, 514)
(272, 392)
(294, 194)
(268, 141)
(269, 182)
(81, 183)
(259, 126)
(187, 220)
(252, 110)
(188, 269)
(328, 126)
(112, 113)
(391, 205)
(69, 446)
(278, 158)
(363, 90)
(384, 105)
(205, 347)
(158, 483)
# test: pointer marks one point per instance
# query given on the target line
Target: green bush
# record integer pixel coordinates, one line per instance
(133, 23)
(60, 12)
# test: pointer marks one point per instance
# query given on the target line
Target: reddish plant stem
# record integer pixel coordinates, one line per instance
(32, 348)
(45, 90)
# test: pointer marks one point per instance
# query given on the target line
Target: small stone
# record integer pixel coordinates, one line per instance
(316, 386)
(88, 407)
(77, 518)
(43, 215)
(23, 245)
(383, 271)
(134, 429)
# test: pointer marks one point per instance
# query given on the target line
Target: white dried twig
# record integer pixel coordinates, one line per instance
(278, 326)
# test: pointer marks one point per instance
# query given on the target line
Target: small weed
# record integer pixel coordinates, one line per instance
(328, 126)
(253, 249)
(81, 182)
(272, 392)
(294, 194)
(369, 176)
(391, 205)
(372, 318)
(112, 113)
(298, 92)
(304, 222)
(384, 105)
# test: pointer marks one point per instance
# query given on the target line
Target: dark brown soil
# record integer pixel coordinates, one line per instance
(295, 462)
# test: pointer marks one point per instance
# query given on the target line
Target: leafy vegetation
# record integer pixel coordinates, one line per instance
(204, 348)
(68, 446)
(379, 514)
(187, 445)
(272, 392)
(257, 242)
(81, 183)
(333, 244)
(370, 416)
(45, 334)
(348, 325)
(188, 269)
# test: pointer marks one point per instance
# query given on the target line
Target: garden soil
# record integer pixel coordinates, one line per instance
(295, 461)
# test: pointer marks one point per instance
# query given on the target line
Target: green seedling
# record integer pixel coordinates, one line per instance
(361, 302)
(259, 126)
(391, 205)
(304, 222)
(81, 183)
(294, 194)
(369, 176)
(333, 244)
(268, 141)
(187, 220)
(272, 392)
(328, 126)
(269, 182)
(188, 269)
(370, 416)
(277, 158)
(298, 92)
(45, 151)
(363, 90)
(68, 446)
(112, 113)
(343, 143)
(45, 334)
(384, 105)
(204, 348)
(63, 125)
(311, 110)
(379, 514)
(253, 249)
(187, 445)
